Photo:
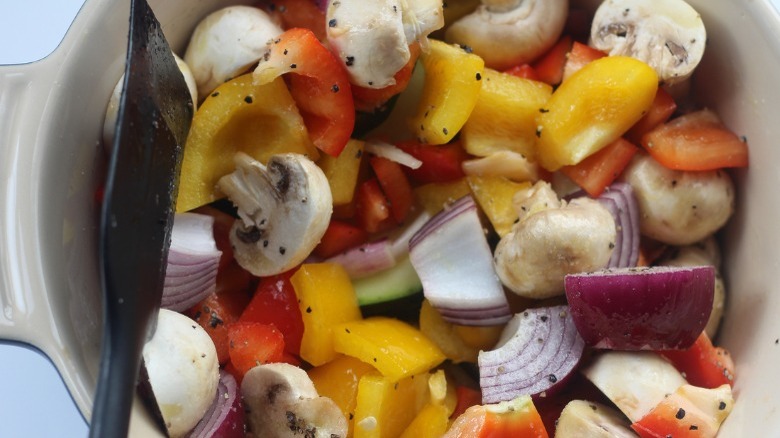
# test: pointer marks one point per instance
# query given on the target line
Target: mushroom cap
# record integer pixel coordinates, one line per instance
(183, 369)
(668, 35)
(226, 43)
(509, 33)
(284, 208)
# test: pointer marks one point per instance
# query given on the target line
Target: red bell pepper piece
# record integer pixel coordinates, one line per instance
(369, 99)
(339, 237)
(440, 163)
(252, 344)
(275, 303)
(550, 66)
(662, 108)
(395, 186)
(579, 56)
(524, 71)
(696, 141)
(703, 364)
(372, 209)
(300, 13)
(515, 418)
(320, 86)
(599, 170)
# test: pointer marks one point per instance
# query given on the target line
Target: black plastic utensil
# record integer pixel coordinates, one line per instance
(153, 120)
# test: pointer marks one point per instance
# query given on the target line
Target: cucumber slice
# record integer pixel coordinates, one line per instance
(391, 284)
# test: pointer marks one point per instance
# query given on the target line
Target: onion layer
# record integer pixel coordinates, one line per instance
(658, 308)
(193, 261)
(619, 199)
(453, 260)
(225, 417)
(538, 350)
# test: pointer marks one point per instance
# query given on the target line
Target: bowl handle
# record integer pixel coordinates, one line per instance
(24, 310)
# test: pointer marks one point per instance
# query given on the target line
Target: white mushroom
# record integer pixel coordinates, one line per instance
(109, 122)
(372, 37)
(668, 35)
(552, 239)
(281, 401)
(226, 43)
(283, 208)
(703, 253)
(679, 207)
(183, 369)
(510, 32)
(582, 418)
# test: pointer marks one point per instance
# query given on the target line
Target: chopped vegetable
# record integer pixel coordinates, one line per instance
(517, 417)
(690, 412)
(225, 417)
(599, 170)
(657, 308)
(537, 351)
(252, 344)
(703, 364)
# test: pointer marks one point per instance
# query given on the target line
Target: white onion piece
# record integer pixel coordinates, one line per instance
(193, 262)
(392, 153)
(367, 259)
(658, 308)
(538, 350)
(225, 417)
(453, 260)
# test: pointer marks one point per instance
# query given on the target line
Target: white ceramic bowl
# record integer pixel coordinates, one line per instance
(51, 114)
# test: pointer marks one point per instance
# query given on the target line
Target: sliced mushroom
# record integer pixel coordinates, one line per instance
(552, 239)
(372, 37)
(283, 208)
(510, 32)
(582, 418)
(668, 35)
(109, 122)
(281, 401)
(183, 369)
(679, 207)
(226, 43)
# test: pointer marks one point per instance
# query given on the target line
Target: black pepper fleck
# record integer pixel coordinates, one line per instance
(265, 244)
(332, 22)
(282, 250)
(285, 52)
(680, 414)
(552, 378)
(445, 131)
(293, 66)
(308, 309)
(479, 76)
(335, 88)
(215, 94)
(722, 406)
(543, 318)
(350, 61)
(248, 99)
(544, 110)
(693, 427)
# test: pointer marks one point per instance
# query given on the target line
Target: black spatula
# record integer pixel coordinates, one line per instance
(154, 117)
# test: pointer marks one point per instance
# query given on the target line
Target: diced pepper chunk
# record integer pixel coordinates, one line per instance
(252, 344)
(494, 195)
(342, 171)
(599, 170)
(593, 108)
(504, 117)
(453, 79)
(433, 197)
(517, 417)
(442, 333)
(386, 407)
(440, 163)
(326, 299)
(239, 116)
(338, 380)
(703, 364)
(395, 186)
(690, 412)
(431, 422)
(394, 347)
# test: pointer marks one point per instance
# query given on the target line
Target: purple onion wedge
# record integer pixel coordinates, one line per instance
(538, 351)
(658, 308)
(619, 199)
(453, 260)
(193, 261)
(225, 417)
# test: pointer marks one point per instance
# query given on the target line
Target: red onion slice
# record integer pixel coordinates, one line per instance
(619, 199)
(453, 260)
(658, 308)
(364, 260)
(225, 417)
(193, 262)
(539, 349)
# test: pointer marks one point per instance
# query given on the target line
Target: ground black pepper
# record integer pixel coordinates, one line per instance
(680, 414)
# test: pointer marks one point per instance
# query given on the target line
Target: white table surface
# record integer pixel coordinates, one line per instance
(33, 401)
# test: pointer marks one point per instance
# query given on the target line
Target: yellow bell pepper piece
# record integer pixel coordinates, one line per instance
(326, 299)
(393, 347)
(442, 391)
(505, 115)
(338, 380)
(441, 333)
(494, 196)
(431, 422)
(342, 171)
(593, 108)
(433, 197)
(238, 116)
(479, 337)
(385, 407)
(453, 79)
